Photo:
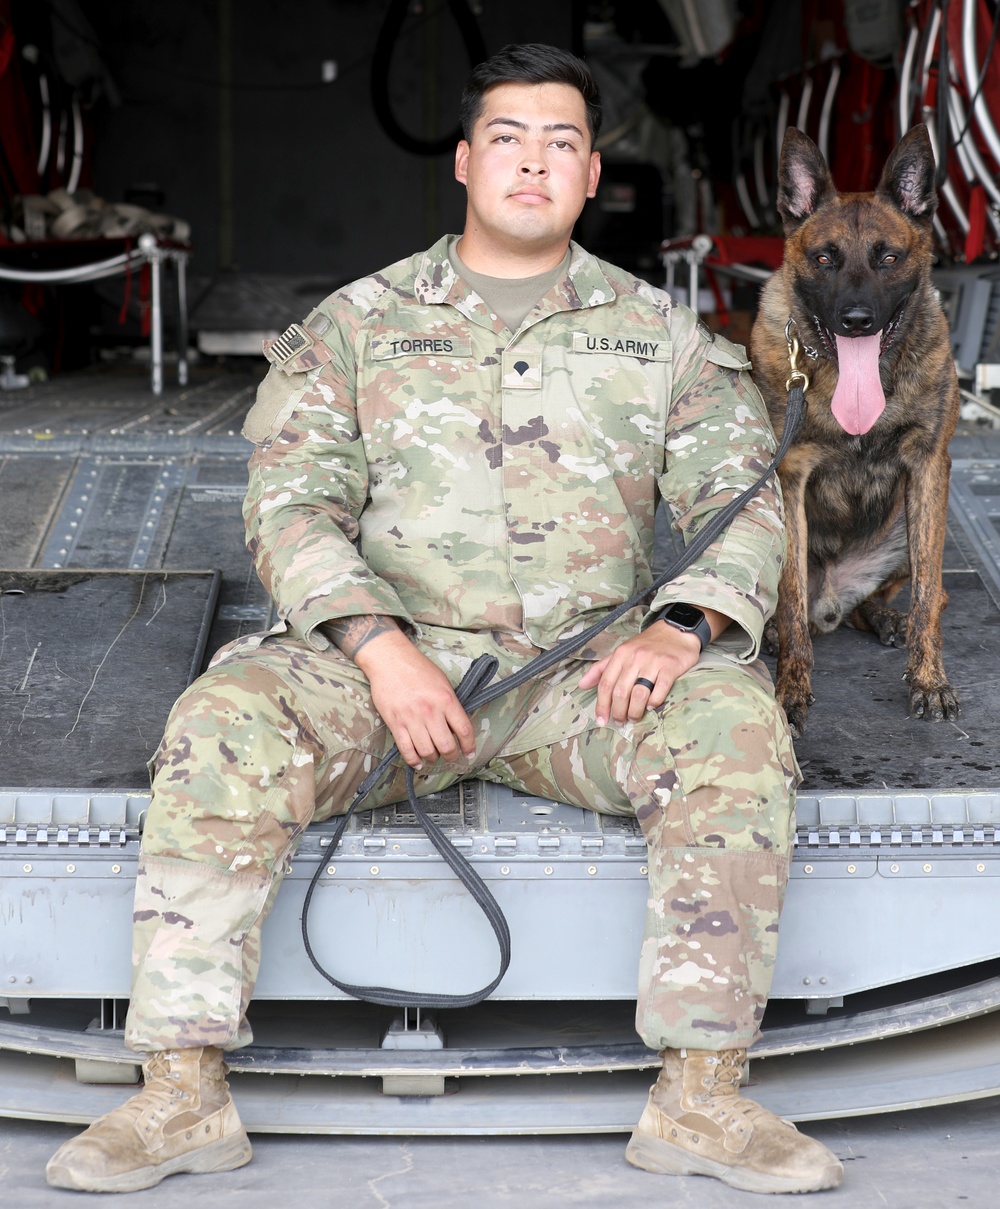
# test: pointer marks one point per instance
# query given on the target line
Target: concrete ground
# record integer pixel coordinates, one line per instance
(923, 1159)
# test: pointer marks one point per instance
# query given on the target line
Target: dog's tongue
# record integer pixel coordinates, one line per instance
(859, 399)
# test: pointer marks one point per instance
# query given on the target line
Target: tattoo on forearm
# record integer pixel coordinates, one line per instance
(351, 633)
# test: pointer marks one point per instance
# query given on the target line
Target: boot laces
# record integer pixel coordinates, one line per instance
(727, 1069)
(164, 1069)
(721, 1099)
(160, 1093)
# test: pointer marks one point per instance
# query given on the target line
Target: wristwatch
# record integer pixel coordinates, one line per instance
(689, 619)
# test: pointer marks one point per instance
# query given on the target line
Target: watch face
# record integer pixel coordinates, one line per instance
(685, 615)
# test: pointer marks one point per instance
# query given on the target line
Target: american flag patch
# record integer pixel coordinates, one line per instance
(289, 344)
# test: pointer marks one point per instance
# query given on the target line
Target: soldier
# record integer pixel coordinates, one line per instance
(461, 455)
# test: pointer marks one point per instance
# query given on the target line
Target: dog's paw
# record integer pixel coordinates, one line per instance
(889, 625)
(771, 644)
(795, 703)
(939, 704)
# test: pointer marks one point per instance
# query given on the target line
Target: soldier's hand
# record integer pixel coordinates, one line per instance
(660, 654)
(415, 700)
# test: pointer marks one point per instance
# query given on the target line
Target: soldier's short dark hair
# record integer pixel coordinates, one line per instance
(530, 63)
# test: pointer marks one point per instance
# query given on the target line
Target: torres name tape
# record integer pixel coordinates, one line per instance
(418, 344)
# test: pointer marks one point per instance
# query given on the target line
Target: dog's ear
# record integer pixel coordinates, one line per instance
(804, 180)
(908, 178)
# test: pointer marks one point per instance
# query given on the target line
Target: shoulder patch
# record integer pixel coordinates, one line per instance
(293, 341)
(298, 350)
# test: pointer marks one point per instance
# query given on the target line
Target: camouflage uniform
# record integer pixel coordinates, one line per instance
(492, 493)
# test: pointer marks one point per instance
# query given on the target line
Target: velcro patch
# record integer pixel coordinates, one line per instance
(521, 370)
(318, 323)
(293, 341)
(623, 346)
(730, 356)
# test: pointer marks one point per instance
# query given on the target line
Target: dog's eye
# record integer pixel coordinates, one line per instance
(822, 258)
(890, 259)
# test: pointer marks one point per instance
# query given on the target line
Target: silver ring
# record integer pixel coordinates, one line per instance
(645, 683)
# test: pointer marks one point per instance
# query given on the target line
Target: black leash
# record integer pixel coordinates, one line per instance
(475, 691)
(481, 671)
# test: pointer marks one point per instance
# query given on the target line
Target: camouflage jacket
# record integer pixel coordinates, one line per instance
(416, 459)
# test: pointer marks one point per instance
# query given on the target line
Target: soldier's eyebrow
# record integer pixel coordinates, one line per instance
(549, 128)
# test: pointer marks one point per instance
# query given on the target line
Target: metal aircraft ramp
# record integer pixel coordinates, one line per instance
(123, 568)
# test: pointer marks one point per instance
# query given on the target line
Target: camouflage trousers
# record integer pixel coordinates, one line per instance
(276, 735)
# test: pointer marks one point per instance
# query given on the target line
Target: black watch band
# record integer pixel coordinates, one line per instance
(689, 619)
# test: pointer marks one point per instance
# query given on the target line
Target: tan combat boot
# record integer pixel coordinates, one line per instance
(696, 1123)
(183, 1120)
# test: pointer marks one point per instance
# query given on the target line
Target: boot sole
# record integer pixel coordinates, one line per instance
(224, 1155)
(665, 1158)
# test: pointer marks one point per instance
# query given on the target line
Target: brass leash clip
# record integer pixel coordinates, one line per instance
(796, 377)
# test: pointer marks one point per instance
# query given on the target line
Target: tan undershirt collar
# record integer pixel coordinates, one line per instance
(511, 298)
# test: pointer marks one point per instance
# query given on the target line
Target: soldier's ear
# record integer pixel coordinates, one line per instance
(804, 180)
(594, 174)
(462, 162)
(908, 178)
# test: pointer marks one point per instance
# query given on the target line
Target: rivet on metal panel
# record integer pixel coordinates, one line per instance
(505, 869)
(28, 979)
(71, 868)
(893, 868)
(548, 870)
(928, 868)
(807, 868)
(644, 869)
(591, 869)
(12, 979)
(116, 868)
(980, 868)
(806, 982)
(27, 868)
(373, 870)
(331, 869)
(852, 868)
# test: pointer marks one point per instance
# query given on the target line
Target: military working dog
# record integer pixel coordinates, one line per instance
(866, 479)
